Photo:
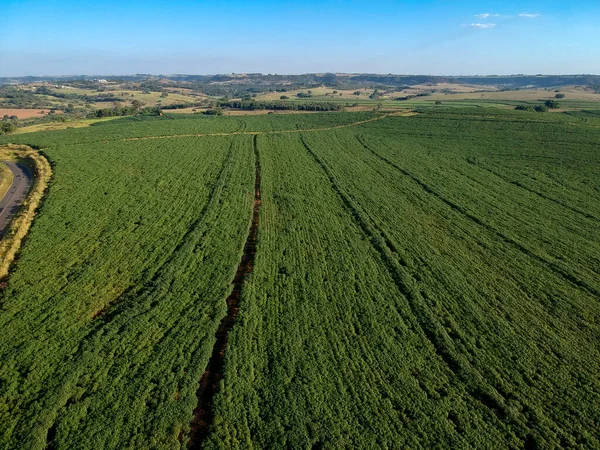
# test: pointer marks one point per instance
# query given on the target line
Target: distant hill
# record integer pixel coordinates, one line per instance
(333, 80)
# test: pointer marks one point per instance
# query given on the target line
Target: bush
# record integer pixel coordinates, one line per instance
(284, 97)
(525, 108)
(541, 108)
(7, 127)
(559, 96)
(552, 104)
(213, 112)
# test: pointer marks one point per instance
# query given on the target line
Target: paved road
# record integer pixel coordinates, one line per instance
(15, 195)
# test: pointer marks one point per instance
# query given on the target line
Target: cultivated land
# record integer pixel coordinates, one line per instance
(416, 281)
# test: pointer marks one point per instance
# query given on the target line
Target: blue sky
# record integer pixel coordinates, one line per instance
(41, 37)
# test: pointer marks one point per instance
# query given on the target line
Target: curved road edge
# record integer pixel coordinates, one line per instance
(14, 197)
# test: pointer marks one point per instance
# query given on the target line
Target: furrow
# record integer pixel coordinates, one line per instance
(209, 383)
(539, 194)
(213, 199)
(549, 264)
(473, 382)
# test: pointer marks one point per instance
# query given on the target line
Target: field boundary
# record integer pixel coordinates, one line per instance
(260, 133)
(19, 227)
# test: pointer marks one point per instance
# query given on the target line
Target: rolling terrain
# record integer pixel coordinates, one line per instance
(347, 280)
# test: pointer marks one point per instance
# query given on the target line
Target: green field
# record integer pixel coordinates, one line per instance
(430, 281)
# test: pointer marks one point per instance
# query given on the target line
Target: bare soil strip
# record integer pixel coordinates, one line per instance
(41, 171)
(209, 383)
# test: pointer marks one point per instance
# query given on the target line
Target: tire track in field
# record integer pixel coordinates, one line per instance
(243, 126)
(259, 133)
(213, 198)
(473, 382)
(209, 383)
(101, 318)
(555, 268)
(533, 191)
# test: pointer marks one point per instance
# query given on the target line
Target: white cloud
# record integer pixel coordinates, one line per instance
(483, 26)
(530, 15)
(486, 15)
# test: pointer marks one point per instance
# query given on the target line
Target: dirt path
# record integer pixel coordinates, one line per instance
(256, 133)
(15, 195)
(209, 383)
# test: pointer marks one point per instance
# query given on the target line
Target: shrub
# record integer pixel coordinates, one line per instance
(214, 112)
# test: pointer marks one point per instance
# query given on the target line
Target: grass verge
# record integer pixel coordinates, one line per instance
(41, 171)
(6, 178)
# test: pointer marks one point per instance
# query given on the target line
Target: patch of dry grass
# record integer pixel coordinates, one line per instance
(6, 177)
(50, 126)
(41, 171)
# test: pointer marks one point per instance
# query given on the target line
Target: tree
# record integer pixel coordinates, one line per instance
(552, 104)
(356, 92)
(284, 97)
(214, 112)
(541, 108)
(7, 127)
(559, 96)
(137, 104)
(438, 102)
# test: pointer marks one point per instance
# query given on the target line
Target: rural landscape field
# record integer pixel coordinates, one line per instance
(417, 280)
(299, 225)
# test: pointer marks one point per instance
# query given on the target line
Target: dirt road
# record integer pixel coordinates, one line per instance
(15, 195)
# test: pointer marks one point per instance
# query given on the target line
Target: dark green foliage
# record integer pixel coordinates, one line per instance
(552, 104)
(213, 112)
(541, 108)
(127, 110)
(251, 105)
(7, 126)
(560, 96)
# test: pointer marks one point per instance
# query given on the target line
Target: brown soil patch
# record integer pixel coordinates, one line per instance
(25, 113)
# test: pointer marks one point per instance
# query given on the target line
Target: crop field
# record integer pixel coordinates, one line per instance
(347, 280)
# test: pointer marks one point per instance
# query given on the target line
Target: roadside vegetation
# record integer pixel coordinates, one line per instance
(19, 226)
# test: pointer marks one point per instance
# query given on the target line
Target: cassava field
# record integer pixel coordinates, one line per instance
(380, 281)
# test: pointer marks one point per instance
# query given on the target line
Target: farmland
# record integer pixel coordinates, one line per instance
(423, 280)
